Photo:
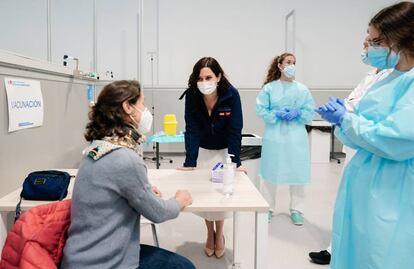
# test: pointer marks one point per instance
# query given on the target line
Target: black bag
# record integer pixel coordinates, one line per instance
(49, 185)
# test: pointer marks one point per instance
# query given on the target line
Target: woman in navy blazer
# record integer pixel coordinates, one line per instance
(214, 121)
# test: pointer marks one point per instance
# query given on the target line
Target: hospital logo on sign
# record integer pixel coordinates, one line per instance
(18, 83)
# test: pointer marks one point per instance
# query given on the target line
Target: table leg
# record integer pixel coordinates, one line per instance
(157, 155)
(332, 153)
(262, 233)
(236, 229)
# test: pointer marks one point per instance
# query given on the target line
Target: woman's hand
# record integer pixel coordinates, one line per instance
(333, 111)
(241, 169)
(183, 168)
(156, 191)
(183, 198)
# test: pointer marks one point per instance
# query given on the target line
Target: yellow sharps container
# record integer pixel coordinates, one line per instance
(170, 124)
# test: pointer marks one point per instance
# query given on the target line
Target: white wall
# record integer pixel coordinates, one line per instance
(329, 40)
(23, 27)
(117, 37)
(245, 35)
(150, 43)
(72, 32)
(243, 43)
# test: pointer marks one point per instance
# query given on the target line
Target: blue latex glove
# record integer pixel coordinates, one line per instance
(330, 105)
(292, 113)
(280, 115)
(333, 111)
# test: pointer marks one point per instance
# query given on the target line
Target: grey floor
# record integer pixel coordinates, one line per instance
(288, 245)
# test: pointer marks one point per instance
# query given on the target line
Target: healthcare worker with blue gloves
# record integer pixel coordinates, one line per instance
(374, 211)
(351, 102)
(285, 105)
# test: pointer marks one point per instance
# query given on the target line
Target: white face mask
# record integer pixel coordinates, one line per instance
(207, 87)
(145, 123)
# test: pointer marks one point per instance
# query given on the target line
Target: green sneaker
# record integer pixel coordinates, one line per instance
(296, 218)
(269, 215)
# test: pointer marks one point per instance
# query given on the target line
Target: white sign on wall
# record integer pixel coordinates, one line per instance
(25, 103)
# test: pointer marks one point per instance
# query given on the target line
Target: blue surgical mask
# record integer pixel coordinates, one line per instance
(289, 71)
(378, 57)
(364, 57)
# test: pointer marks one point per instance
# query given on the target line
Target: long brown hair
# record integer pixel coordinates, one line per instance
(396, 25)
(107, 117)
(274, 71)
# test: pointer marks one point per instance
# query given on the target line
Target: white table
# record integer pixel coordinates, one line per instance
(206, 198)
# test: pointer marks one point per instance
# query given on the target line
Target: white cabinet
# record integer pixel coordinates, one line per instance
(320, 141)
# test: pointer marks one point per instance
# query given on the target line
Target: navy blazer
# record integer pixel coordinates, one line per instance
(220, 130)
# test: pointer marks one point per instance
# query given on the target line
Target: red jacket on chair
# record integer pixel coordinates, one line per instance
(37, 238)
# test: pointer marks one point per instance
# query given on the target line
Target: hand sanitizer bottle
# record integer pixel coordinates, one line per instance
(228, 176)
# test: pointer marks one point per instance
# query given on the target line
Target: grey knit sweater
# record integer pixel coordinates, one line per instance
(109, 196)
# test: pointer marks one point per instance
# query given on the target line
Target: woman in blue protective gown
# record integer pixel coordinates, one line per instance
(374, 212)
(285, 105)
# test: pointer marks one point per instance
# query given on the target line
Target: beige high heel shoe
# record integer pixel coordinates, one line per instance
(208, 251)
(219, 252)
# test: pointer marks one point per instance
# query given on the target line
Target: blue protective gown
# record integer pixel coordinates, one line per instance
(374, 212)
(285, 149)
